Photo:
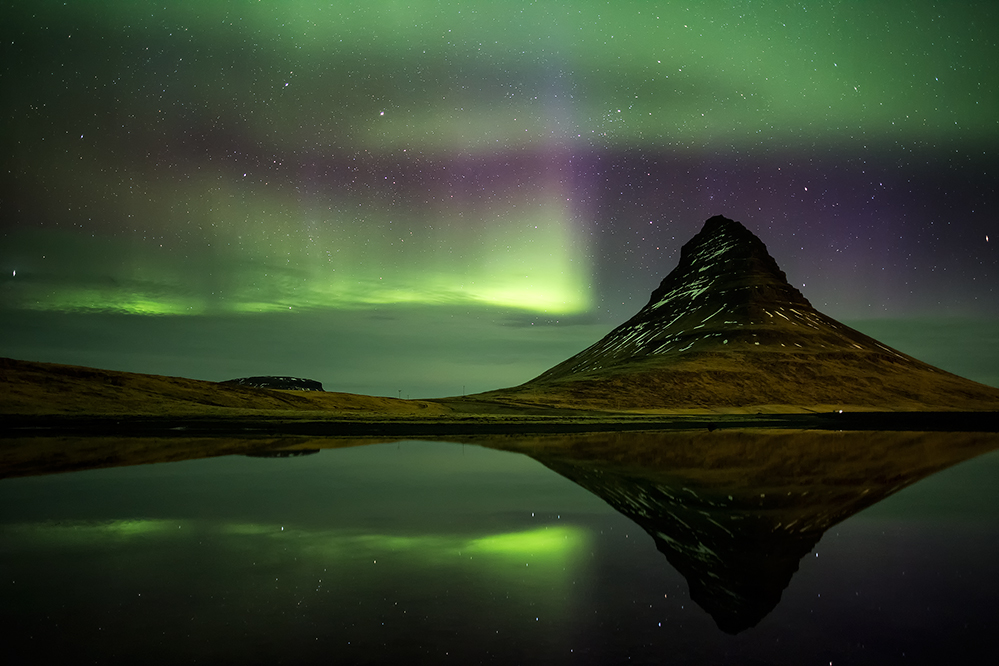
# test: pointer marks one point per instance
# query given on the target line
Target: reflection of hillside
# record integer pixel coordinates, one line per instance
(32, 456)
(734, 512)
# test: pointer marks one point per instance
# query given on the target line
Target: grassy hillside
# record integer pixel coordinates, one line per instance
(47, 388)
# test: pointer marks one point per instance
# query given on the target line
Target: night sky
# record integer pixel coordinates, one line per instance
(424, 198)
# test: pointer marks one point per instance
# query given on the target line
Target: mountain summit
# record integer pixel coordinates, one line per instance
(726, 331)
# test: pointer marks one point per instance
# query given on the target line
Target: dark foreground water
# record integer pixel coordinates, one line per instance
(423, 552)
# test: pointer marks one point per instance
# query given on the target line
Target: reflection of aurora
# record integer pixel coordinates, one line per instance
(242, 589)
(549, 549)
(88, 533)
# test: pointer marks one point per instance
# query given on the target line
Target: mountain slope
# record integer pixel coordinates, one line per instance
(726, 331)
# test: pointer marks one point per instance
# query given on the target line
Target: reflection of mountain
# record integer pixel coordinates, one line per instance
(735, 561)
(734, 512)
(725, 331)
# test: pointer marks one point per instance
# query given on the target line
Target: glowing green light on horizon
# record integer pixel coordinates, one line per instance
(264, 258)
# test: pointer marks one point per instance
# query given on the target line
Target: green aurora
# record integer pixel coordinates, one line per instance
(521, 163)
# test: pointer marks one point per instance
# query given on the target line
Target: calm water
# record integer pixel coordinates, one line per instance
(445, 553)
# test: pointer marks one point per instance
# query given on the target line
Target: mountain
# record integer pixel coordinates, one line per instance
(725, 331)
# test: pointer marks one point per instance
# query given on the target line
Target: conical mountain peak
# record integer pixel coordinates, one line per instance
(725, 290)
(727, 260)
(725, 330)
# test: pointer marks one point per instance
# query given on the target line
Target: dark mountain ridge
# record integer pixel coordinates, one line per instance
(725, 330)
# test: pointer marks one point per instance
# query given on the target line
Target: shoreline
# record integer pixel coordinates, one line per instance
(253, 426)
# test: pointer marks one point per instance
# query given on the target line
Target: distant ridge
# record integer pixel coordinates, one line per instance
(31, 388)
(726, 331)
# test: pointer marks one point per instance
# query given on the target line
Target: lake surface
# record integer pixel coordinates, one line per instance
(431, 552)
